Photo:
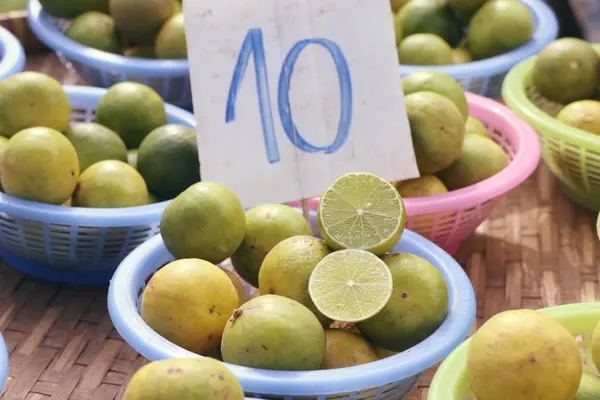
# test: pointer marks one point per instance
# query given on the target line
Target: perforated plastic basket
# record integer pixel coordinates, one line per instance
(170, 78)
(485, 77)
(4, 366)
(573, 155)
(390, 378)
(70, 244)
(12, 56)
(450, 381)
(450, 218)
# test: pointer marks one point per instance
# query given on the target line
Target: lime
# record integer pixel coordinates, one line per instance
(31, 99)
(437, 82)
(206, 221)
(132, 156)
(427, 185)
(350, 285)
(424, 49)
(40, 164)
(110, 184)
(168, 160)
(476, 127)
(140, 20)
(417, 307)
(430, 16)
(582, 114)
(170, 42)
(140, 52)
(70, 9)
(132, 110)
(361, 211)
(96, 30)
(3, 143)
(461, 56)
(12, 5)
(94, 142)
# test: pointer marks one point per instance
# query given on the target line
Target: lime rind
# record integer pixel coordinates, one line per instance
(350, 285)
(361, 211)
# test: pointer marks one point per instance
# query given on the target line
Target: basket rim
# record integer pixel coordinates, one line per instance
(4, 364)
(90, 216)
(452, 369)
(13, 58)
(525, 162)
(128, 322)
(545, 32)
(514, 95)
(41, 24)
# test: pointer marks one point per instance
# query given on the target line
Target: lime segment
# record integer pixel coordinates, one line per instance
(350, 285)
(361, 211)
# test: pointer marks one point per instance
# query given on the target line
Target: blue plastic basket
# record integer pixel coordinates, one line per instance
(4, 365)
(485, 77)
(12, 55)
(170, 78)
(77, 245)
(390, 378)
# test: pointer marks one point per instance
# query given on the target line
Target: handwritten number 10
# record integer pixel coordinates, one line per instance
(254, 45)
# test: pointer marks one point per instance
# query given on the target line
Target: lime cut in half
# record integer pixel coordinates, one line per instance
(361, 211)
(350, 285)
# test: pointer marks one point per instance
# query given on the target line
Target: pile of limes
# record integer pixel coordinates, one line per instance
(444, 32)
(45, 157)
(343, 300)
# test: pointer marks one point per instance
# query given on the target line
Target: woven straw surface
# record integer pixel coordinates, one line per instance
(537, 250)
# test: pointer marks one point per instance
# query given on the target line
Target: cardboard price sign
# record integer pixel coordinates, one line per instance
(291, 94)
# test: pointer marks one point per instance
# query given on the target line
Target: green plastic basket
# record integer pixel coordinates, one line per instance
(450, 381)
(573, 155)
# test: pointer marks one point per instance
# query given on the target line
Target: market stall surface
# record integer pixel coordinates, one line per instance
(537, 250)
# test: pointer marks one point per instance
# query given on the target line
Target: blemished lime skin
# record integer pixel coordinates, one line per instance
(132, 110)
(192, 224)
(276, 333)
(32, 99)
(286, 269)
(418, 306)
(266, 226)
(523, 355)
(40, 164)
(184, 379)
(188, 302)
(346, 349)
(110, 184)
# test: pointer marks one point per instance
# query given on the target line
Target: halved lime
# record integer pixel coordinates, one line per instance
(361, 211)
(350, 285)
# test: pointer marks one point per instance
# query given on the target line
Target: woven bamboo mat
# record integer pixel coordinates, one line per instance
(537, 250)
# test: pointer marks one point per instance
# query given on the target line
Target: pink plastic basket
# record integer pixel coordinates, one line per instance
(450, 218)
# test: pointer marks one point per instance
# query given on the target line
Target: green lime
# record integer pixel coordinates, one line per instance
(206, 221)
(437, 82)
(140, 52)
(424, 49)
(110, 184)
(168, 160)
(141, 20)
(424, 186)
(40, 164)
(3, 143)
(476, 127)
(170, 42)
(96, 30)
(31, 99)
(266, 226)
(361, 211)
(430, 16)
(418, 305)
(71, 9)
(582, 114)
(94, 142)
(461, 56)
(132, 110)
(132, 157)
(350, 285)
